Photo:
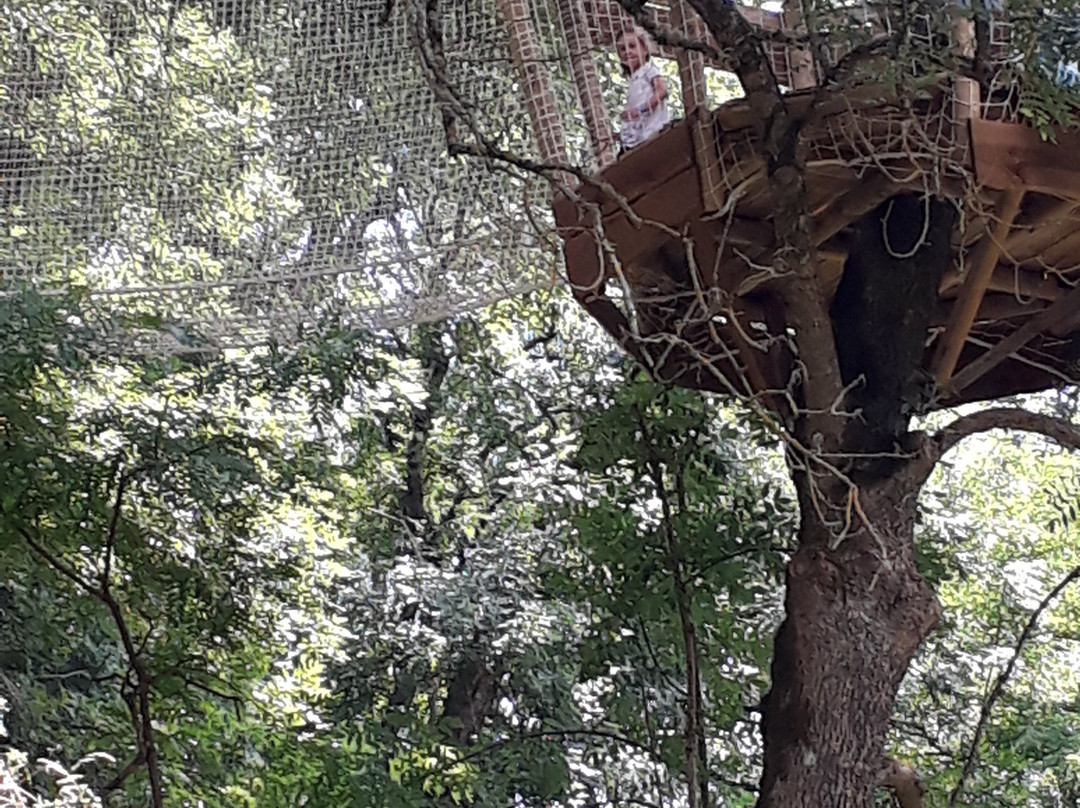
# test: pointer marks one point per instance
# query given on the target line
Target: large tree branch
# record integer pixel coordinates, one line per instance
(999, 684)
(795, 256)
(935, 446)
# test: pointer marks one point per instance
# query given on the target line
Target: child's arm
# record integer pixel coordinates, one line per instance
(659, 93)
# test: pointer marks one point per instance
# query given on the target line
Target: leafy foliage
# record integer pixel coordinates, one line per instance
(473, 562)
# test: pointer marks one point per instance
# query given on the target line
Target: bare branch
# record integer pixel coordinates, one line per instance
(126, 772)
(60, 566)
(114, 523)
(1002, 679)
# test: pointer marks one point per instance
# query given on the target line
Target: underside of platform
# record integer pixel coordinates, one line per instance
(672, 248)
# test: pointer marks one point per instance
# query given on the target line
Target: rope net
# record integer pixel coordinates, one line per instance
(232, 171)
(242, 168)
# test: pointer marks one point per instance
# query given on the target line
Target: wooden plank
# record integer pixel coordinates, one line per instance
(1043, 321)
(993, 308)
(585, 267)
(567, 212)
(743, 231)
(978, 277)
(1064, 254)
(633, 176)
(863, 199)
(1034, 258)
(1038, 232)
(1014, 156)
(639, 170)
(672, 204)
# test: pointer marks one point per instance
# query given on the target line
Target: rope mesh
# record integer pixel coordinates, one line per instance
(237, 170)
(241, 167)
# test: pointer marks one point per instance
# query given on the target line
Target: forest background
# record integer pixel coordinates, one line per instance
(472, 561)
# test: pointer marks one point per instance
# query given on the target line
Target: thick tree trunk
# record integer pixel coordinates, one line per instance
(857, 610)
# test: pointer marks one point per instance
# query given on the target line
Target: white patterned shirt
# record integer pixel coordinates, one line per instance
(638, 92)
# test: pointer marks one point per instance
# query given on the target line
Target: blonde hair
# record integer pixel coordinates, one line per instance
(643, 37)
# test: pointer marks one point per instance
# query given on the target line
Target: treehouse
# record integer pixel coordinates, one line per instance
(940, 216)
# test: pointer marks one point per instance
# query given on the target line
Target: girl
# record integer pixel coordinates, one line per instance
(645, 113)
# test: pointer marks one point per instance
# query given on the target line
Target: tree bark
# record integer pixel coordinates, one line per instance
(857, 611)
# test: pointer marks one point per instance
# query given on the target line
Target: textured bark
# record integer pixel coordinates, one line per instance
(881, 312)
(857, 610)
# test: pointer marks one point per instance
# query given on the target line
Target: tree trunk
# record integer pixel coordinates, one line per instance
(857, 610)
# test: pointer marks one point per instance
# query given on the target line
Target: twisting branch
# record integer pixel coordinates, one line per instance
(114, 522)
(139, 698)
(125, 773)
(697, 763)
(1002, 679)
(934, 447)
(60, 566)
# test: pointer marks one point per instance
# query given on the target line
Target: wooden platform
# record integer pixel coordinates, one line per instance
(672, 249)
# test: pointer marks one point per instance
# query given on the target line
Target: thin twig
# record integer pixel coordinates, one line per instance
(114, 522)
(697, 767)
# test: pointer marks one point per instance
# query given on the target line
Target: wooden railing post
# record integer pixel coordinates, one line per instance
(579, 43)
(696, 104)
(527, 55)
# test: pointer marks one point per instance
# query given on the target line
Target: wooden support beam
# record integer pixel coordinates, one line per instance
(1012, 156)
(863, 199)
(540, 100)
(696, 104)
(1013, 282)
(993, 308)
(978, 277)
(1045, 320)
(800, 62)
(1031, 236)
(1064, 254)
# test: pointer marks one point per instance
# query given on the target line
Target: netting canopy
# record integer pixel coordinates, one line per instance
(233, 171)
(245, 167)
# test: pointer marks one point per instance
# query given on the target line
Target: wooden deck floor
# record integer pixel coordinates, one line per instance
(677, 242)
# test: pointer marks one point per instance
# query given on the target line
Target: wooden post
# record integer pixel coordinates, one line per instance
(527, 55)
(976, 281)
(696, 104)
(691, 64)
(576, 31)
(1046, 320)
(966, 94)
